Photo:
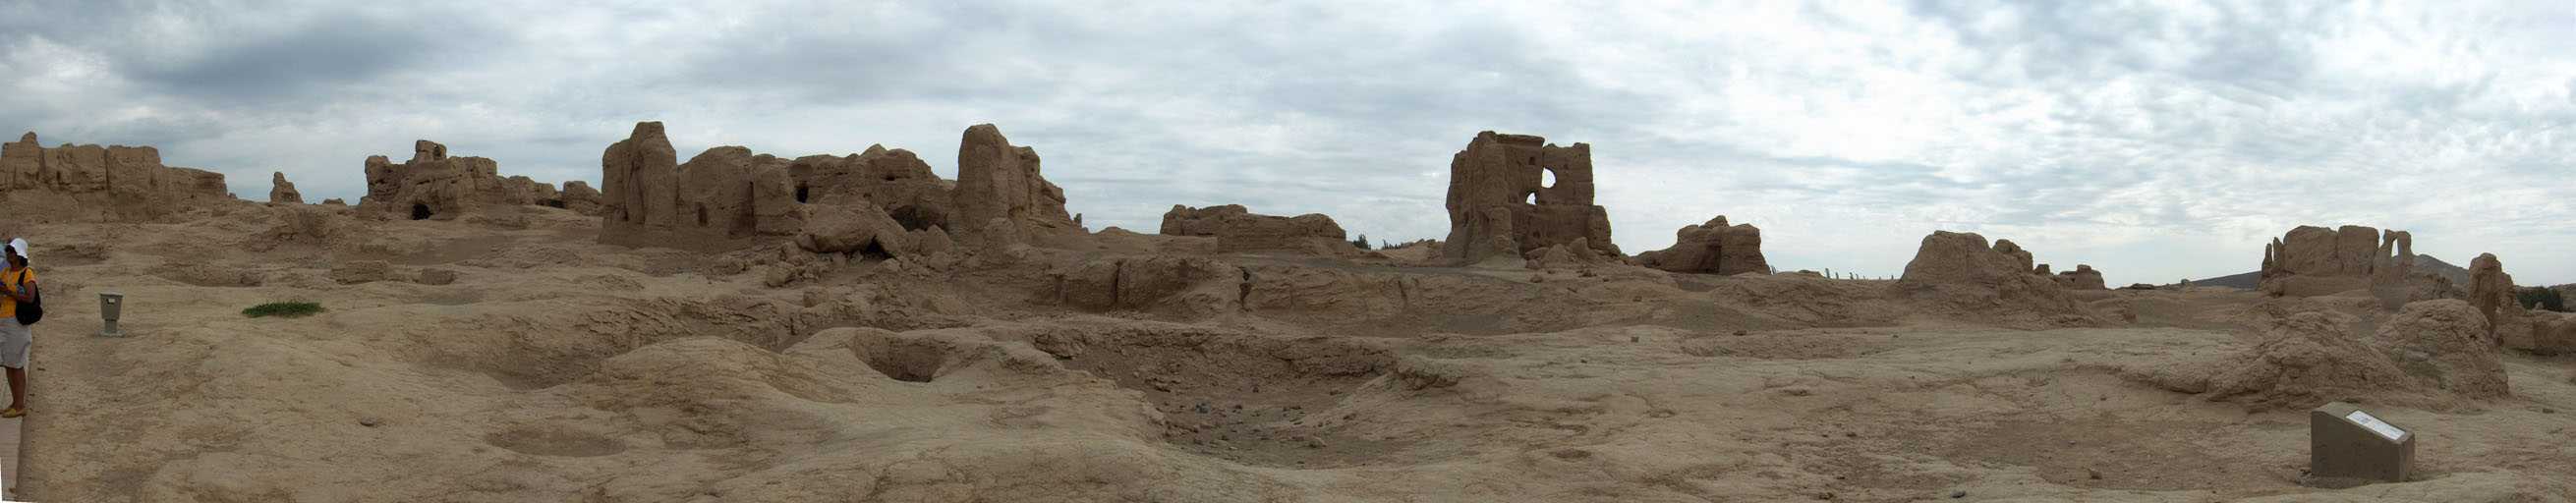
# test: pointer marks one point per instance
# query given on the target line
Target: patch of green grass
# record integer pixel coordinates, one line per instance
(283, 309)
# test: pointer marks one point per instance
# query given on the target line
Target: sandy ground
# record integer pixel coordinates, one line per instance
(558, 369)
(9, 455)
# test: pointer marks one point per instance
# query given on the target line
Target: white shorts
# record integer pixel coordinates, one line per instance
(15, 340)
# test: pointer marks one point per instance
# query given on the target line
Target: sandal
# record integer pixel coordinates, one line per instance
(13, 412)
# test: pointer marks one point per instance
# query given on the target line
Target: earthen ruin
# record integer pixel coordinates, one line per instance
(1576, 254)
(1712, 247)
(1308, 233)
(1959, 270)
(1183, 220)
(878, 202)
(894, 180)
(281, 191)
(1239, 230)
(2082, 278)
(2491, 292)
(580, 198)
(1157, 365)
(94, 183)
(999, 184)
(1502, 206)
(2311, 260)
(433, 185)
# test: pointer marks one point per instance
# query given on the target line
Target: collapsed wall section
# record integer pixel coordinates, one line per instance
(879, 201)
(433, 185)
(95, 183)
(1711, 248)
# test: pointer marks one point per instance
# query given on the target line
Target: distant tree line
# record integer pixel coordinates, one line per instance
(2545, 297)
(1361, 241)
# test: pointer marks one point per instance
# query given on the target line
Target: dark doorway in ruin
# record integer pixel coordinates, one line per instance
(914, 218)
(420, 212)
(800, 193)
(552, 203)
(875, 251)
(702, 215)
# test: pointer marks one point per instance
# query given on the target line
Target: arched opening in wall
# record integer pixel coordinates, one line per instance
(421, 212)
(914, 218)
(801, 190)
(702, 214)
(1547, 178)
(875, 251)
(1530, 197)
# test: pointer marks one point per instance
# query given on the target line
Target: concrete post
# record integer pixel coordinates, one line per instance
(2348, 447)
(111, 305)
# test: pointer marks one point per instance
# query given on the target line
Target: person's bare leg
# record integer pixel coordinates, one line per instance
(17, 388)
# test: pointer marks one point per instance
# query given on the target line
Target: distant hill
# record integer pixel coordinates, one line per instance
(2458, 275)
(2246, 280)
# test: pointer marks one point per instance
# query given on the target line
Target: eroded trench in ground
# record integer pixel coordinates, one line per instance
(572, 339)
(1882, 455)
(1253, 400)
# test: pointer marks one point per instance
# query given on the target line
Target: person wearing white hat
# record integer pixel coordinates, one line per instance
(18, 293)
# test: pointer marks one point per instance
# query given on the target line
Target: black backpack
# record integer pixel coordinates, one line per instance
(33, 310)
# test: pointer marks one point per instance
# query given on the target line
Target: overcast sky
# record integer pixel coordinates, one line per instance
(2153, 140)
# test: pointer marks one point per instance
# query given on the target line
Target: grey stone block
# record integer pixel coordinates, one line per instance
(2348, 447)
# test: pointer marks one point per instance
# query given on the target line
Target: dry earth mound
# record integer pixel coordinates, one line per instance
(1959, 274)
(2308, 359)
(2430, 353)
(2445, 344)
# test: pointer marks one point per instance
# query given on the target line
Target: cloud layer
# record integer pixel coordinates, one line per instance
(2153, 140)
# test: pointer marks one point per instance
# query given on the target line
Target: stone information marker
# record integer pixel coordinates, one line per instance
(2349, 447)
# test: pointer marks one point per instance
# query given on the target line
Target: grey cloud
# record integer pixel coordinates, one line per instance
(218, 57)
(2258, 47)
(319, 54)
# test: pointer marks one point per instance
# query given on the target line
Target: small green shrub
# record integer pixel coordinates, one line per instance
(283, 309)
